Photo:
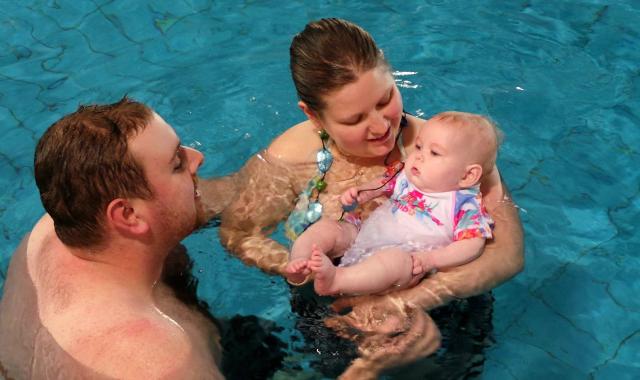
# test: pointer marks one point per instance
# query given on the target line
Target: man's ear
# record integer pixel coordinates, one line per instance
(122, 215)
(471, 176)
(311, 114)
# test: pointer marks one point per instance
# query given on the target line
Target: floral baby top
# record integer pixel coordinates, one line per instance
(414, 220)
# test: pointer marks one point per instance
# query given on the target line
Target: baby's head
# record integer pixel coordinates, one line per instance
(454, 150)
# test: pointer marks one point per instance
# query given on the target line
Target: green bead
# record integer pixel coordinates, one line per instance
(321, 185)
(324, 136)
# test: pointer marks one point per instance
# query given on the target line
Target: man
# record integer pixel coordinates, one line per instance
(83, 296)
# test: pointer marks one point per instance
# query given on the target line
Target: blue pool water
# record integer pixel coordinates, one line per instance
(561, 78)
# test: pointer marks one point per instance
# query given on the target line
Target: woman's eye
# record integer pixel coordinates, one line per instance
(386, 100)
(353, 120)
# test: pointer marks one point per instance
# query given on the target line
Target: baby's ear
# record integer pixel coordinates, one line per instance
(471, 176)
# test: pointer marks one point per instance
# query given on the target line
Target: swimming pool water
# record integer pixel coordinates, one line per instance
(561, 78)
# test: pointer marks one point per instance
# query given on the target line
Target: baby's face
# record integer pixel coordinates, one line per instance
(439, 159)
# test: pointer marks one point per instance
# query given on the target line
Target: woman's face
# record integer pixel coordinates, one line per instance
(363, 117)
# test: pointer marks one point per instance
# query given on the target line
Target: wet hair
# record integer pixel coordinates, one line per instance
(328, 54)
(82, 163)
(489, 136)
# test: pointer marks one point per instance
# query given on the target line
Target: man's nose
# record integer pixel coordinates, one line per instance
(194, 158)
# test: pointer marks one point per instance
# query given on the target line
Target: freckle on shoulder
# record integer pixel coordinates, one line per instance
(296, 144)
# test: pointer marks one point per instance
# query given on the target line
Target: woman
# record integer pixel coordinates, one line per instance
(355, 128)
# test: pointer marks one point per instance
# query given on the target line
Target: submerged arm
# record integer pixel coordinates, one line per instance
(265, 197)
(383, 321)
(501, 259)
(216, 194)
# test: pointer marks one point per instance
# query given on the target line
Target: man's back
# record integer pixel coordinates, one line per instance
(28, 350)
(51, 327)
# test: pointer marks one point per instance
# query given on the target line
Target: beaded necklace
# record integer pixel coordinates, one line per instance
(308, 208)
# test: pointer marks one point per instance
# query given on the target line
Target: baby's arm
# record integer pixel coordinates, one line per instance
(457, 253)
(367, 191)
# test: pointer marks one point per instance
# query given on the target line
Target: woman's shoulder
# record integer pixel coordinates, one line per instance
(297, 144)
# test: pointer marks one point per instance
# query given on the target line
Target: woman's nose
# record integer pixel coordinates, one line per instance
(378, 125)
(194, 158)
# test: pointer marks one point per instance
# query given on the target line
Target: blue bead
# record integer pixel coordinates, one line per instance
(324, 158)
(314, 212)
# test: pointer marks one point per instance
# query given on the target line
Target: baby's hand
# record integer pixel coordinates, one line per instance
(349, 197)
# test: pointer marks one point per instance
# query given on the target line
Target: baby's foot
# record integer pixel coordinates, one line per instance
(297, 271)
(324, 270)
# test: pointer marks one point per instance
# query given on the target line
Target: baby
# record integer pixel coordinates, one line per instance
(434, 218)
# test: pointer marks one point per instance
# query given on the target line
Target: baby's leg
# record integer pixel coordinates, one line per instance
(378, 273)
(329, 236)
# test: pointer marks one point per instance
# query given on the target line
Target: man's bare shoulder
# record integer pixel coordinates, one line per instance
(142, 348)
(297, 144)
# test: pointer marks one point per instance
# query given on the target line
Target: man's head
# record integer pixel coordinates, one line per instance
(89, 174)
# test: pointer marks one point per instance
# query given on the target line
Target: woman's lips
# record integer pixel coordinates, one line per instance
(382, 138)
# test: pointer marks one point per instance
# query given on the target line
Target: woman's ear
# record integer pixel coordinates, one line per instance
(471, 176)
(122, 216)
(311, 114)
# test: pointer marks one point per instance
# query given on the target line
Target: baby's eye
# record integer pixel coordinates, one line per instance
(434, 153)
(418, 147)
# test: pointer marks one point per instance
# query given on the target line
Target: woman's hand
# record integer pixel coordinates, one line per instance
(388, 331)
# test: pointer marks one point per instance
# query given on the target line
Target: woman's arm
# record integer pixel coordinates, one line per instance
(387, 318)
(264, 198)
(215, 195)
(502, 257)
